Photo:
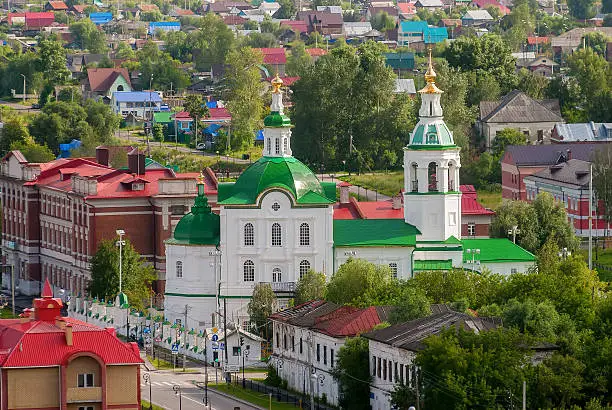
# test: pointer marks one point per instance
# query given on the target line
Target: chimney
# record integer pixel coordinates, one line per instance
(396, 202)
(102, 155)
(136, 162)
(569, 154)
(344, 192)
(68, 333)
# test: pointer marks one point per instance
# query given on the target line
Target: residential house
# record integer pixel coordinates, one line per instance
(406, 10)
(414, 33)
(50, 361)
(534, 118)
(101, 18)
(78, 10)
(391, 11)
(77, 62)
(453, 25)
(56, 213)
(483, 4)
(240, 344)
(323, 22)
(543, 66)
(163, 26)
(520, 161)
(256, 15)
(56, 6)
(569, 42)
(184, 122)
(276, 58)
(523, 58)
(315, 53)
(393, 350)
(269, 7)
(177, 12)
(222, 8)
(473, 18)
(429, 4)
(356, 28)
(330, 9)
(584, 132)
(307, 339)
(147, 8)
(475, 218)
(234, 22)
(140, 104)
(103, 82)
(536, 43)
(36, 21)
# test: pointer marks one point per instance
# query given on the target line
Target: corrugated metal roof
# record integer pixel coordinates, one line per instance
(548, 154)
(374, 232)
(518, 107)
(573, 172)
(137, 96)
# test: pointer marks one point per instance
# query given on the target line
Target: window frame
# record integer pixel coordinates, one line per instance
(250, 266)
(394, 269)
(178, 269)
(304, 234)
(277, 235)
(304, 267)
(248, 232)
(86, 382)
(277, 275)
(471, 228)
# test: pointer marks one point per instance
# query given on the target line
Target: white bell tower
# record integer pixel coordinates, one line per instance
(277, 126)
(432, 200)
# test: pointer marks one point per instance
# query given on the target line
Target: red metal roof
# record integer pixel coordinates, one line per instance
(296, 25)
(470, 204)
(316, 52)
(218, 114)
(537, 40)
(273, 55)
(39, 19)
(406, 8)
(58, 5)
(483, 4)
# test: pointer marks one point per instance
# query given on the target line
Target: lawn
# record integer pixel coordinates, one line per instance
(388, 183)
(6, 313)
(145, 406)
(258, 399)
(488, 199)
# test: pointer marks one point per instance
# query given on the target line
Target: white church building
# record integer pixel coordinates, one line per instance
(277, 221)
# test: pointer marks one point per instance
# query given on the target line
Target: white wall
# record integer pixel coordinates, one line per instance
(381, 386)
(378, 256)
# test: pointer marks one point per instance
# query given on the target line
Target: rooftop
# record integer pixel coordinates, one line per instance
(374, 232)
(572, 173)
(496, 250)
(518, 107)
(137, 96)
(548, 154)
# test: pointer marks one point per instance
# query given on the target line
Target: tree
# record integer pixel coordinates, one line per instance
(14, 131)
(197, 109)
(505, 137)
(532, 84)
(606, 6)
(211, 42)
(124, 51)
(382, 21)
(557, 382)
(243, 95)
(69, 94)
(262, 305)
(287, 9)
(591, 71)
(602, 179)
(581, 9)
(59, 122)
(358, 281)
(136, 273)
(353, 374)
(101, 119)
(89, 36)
(299, 60)
(538, 319)
(484, 87)
(32, 151)
(597, 41)
(52, 61)
(159, 69)
(310, 287)
(413, 304)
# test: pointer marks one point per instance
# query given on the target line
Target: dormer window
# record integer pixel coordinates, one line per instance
(432, 138)
(138, 186)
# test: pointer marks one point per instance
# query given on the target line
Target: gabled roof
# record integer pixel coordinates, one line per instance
(410, 335)
(533, 40)
(478, 15)
(482, 4)
(136, 96)
(548, 154)
(102, 79)
(574, 174)
(470, 204)
(517, 106)
(406, 8)
(147, 7)
(295, 25)
(273, 55)
(429, 3)
(324, 18)
(57, 5)
(316, 52)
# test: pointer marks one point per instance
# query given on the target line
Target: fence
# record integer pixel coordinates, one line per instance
(278, 394)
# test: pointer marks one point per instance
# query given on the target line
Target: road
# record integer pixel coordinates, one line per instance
(20, 107)
(191, 397)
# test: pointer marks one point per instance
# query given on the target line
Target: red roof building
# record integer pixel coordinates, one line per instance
(296, 25)
(315, 52)
(55, 214)
(276, 58)
(218, 115)
(105, 81)
(65, 361)
(483, 4)
(56, 6)
(38, 20)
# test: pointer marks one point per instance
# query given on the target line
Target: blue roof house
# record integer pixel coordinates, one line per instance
(100, 18)
(140, 104)
(419, 32)
(164, 26)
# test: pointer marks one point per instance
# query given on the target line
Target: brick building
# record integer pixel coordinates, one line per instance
(51, 362)
(55, 214)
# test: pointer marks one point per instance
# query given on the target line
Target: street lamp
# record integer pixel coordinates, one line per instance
(514, 231)
(12, 285)
(147, 378)
(473, 252)
(564, 253)
(177, 391)
(120, 244)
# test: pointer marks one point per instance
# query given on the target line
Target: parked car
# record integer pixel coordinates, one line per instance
(201, 146)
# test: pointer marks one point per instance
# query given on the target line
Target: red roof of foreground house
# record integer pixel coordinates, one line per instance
(218, 114)
(316, 52)
(102, 79)
(39, 19)
(273, 55)
(470, 204)
(537, 40)
(79, 8)
(184, 12)
(41, 338)
(233, 20)
(58, 5)
(406, 8)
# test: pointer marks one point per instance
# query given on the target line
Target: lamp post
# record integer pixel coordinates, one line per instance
(147, 378)
(120, 244)
(24, 88)
(514, 231)
(177, 391)
(473, 252)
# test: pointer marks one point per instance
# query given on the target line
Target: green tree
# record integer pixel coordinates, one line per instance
(159, 69)
(539, 319)
(557, 382)
(412, 304)
(101, 119)
(125, 51)
(505, 137)
(287, 9)
(358, 280)
(211, 42)
(14, 131)
(69, 94)
(484, 87)
(26, 64)
(591, 71)
(197, 109)
(597, 41)
(59, 122)
(299, 60)
(532, 84)
(32, 151)
(136, 273)
(263, 303)
(602, 179)
(89, 36)
(581, 9)
(52, 61)
(382, 21)
(243, 96)
(310, 287)
(353, 374)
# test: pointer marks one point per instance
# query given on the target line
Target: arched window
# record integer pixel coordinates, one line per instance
(304, 268)
(304, 234)
(277, 145)
(432, 179)
(248, 270)
(249, 235)
(269, 144)
(276, 275)
(393, 266)
(414, 177)
(120, 87)
(285, 145)
(179, 269)
(277, 239)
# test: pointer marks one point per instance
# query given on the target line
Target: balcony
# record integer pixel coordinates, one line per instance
(83, 394)
(282, 286)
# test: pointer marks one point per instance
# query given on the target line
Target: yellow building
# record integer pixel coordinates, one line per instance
(51, 362)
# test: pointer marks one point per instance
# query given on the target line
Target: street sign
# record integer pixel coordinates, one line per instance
(232, 368)
(215, 345)
(146, 330)
(215, 338)
(222, 346)
(175, 348)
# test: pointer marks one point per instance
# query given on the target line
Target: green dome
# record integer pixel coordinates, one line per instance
(276, 119)
(200, 226)
(433, 135)
(281, 172)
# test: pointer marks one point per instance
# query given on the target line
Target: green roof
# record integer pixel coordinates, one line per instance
(432, 135)
(162, 117)
(432, 265)
(496, 250)
(374, 232)
(276, 119)
(199, 227)
(285, 173)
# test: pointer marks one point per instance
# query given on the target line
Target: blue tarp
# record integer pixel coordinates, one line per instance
(101, 18)
(211, 104)
(65, 149)
(212, 129)
(164, 26)
(259, 135)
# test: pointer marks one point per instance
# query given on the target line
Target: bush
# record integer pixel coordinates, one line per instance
(273, 379)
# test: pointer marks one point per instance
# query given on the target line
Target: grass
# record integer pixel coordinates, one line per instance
(387, 183)
(165, 365)
(488, 199)
(258, 399)
(602, 257)
(144, 405)
(6, 313)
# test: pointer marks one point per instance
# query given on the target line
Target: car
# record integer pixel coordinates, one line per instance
(201, 146)
(36, 106)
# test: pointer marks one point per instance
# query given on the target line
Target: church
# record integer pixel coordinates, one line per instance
(278, 221)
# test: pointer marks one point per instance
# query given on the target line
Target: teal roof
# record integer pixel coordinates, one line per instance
(496, 250)
(374, 232)
(276, 119)
(436, 135)
(199, 227)
(286, 173)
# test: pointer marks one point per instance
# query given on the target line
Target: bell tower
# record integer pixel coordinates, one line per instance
(277, 126)
(432, 200)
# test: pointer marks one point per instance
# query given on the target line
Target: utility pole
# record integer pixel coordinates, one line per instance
(524, 395)
(187, 309)
(225, 329)
(591, 216)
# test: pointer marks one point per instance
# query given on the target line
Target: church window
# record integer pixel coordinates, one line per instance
(393, 267)
(275, 206)
(249, 235)
(432, 179)
(269, 144)
(431, 108)
(277, 145)
(285, 145)
(276, 275)
(304, 268)
(432, 138)
(179, 269)
(248, 270)
(277, 239)
(304, 234)
(414, 180)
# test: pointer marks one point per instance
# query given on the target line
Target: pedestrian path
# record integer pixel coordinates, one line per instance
(168, 384)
